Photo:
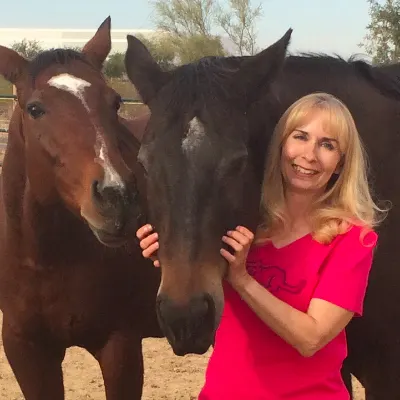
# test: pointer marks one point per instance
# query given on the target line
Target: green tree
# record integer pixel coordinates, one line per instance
(185, 17)
(189, 24)
(382, 40)
(162, 49)
(238, 22)
(27, 48)
(195, 26)
(114, 66)
(191, 48)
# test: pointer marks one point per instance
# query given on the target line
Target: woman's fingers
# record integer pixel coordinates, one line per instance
(143, 231)
(150, 250)
(148, 241)
(244, 231)
(228, 256)
(233, 243)
(239, 237)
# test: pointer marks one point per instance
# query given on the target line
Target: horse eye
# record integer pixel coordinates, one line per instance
(235, 165)
(35, 110)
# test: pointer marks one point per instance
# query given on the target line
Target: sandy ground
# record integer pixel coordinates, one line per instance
(167, 377)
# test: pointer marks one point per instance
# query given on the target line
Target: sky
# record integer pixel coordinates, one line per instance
(318, 25)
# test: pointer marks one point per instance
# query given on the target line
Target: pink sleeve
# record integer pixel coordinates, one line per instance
(344, 276)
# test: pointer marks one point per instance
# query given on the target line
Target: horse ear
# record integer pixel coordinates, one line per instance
(12, 65)
(262, 69)
(99, 46)
(143, 71)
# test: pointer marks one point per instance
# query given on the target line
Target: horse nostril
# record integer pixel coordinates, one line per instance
(189, 328)
(209, 308)
(96, 192)
(109, 198)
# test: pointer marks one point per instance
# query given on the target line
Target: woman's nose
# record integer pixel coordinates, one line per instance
(310, 151)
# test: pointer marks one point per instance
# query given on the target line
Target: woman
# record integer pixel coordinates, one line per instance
(291, 293)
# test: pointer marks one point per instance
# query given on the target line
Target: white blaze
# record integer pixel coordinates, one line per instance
(76, 87)
(71, 84)
(111, 176)
(194, 136)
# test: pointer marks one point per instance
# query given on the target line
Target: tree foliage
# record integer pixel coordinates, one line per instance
(238, 22)
(114, 66)
(382, 41)
(27, 48)
(161, 48)
(197, 27)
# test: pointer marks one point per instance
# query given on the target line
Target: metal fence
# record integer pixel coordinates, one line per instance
(12, 97)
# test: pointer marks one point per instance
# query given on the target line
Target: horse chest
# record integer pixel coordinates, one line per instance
(72, 302)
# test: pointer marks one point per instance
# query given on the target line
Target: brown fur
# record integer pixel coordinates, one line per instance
(59, 286)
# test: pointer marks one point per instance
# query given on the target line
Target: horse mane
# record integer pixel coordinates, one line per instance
(47, 58)
(387, 84)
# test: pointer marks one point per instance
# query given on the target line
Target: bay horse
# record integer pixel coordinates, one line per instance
(204, 150)
(71, 270)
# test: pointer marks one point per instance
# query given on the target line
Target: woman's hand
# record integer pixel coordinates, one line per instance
(240, 240)
(148, 243)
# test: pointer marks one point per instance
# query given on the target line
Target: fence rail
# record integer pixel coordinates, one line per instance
(124, 100)
(14, 97)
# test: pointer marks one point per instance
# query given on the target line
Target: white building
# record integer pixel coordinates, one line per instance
(56, 38)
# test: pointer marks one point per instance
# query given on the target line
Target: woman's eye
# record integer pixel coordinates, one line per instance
(300, 137)
(328, 145)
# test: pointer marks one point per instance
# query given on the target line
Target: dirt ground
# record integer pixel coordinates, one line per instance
(167, 377)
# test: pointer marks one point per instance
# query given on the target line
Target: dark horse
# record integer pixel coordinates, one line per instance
(204, 151)
(71, 272)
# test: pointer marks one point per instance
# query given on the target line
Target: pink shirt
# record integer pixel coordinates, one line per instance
(251, 362)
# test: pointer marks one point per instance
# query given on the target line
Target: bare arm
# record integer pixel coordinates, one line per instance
(306, 332)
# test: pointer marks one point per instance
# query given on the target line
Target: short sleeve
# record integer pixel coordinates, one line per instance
(344, 275)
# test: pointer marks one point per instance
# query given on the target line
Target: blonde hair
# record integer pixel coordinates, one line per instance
(347, 200)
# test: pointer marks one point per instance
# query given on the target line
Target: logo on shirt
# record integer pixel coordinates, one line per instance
(273, 278)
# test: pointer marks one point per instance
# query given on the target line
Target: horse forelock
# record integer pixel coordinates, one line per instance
(52, 57)
(198, 84)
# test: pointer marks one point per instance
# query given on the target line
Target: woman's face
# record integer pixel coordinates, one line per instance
(309, 157)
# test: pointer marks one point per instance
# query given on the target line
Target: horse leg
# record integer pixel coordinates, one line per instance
(121, 363)
(36, 365)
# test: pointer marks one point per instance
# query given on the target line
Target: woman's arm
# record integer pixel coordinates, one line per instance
(306, 332)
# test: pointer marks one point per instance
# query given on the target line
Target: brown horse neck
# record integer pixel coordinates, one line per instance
(53, 231)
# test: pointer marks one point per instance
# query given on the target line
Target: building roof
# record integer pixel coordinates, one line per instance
(55, 38)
